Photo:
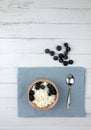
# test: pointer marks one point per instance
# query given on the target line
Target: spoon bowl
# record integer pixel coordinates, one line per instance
(70, 80)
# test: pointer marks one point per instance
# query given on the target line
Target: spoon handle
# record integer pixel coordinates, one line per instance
(69, 97)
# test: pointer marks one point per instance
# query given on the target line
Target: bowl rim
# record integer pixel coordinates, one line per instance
(49, 106)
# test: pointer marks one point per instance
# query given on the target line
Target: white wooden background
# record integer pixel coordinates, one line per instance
(27, 27)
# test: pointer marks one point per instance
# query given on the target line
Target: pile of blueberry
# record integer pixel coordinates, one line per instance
(61, 57)
(39, 85)
(52, 90)
(31, 95)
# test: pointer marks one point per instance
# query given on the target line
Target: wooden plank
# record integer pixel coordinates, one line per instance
(46, 31)
(8, 91)
(8, 116)
(42, 128)
(36, 60)
(8, 76)
(88, 105)
(24, 4)
(13, 46)
(57, 16)
(63, 4)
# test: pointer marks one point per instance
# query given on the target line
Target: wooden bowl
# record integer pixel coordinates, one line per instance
(49, 106)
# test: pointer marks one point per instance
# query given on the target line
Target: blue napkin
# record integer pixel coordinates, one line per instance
(58, 75)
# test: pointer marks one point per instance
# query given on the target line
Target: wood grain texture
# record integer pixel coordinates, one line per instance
(51, 16)
(27, 27)
(35, 60)
(45, 31)
(37, 46)
(42, 127)
(24, 4)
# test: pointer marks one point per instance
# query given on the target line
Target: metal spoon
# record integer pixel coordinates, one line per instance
(70, 81)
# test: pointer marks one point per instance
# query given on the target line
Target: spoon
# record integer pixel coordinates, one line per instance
(70, 81)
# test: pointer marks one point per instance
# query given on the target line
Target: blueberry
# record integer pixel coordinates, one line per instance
(60, 55)
(65, 57)
(68, 49)
(31, 92)
(42, 86)
(61, 60)
(49, 94)
(50, 91)
(65, 63)
(59, 48)
(54, 92)
(37, 87)
(52, 53)
(66, 44)
(66, 53)
(47, 51)
(31, 97)
(71, 62)
(38, 83)
(50, 86)
(55, 57)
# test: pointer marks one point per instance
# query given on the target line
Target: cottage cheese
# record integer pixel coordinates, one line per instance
(41, 97)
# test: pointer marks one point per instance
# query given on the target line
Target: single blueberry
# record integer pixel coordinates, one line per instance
(55, 57)
(65, 63)
(52, 53)
(47, 51)
(59, 48)
(31, 92)
(66, 44)
(61, 60)
(71, 61)
(60, 55)
(68, 49)
(65, 57)
(42, 86)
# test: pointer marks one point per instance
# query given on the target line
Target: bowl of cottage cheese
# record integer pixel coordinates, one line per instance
(43, 94)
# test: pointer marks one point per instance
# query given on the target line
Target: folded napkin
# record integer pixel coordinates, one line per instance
(58, 75)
